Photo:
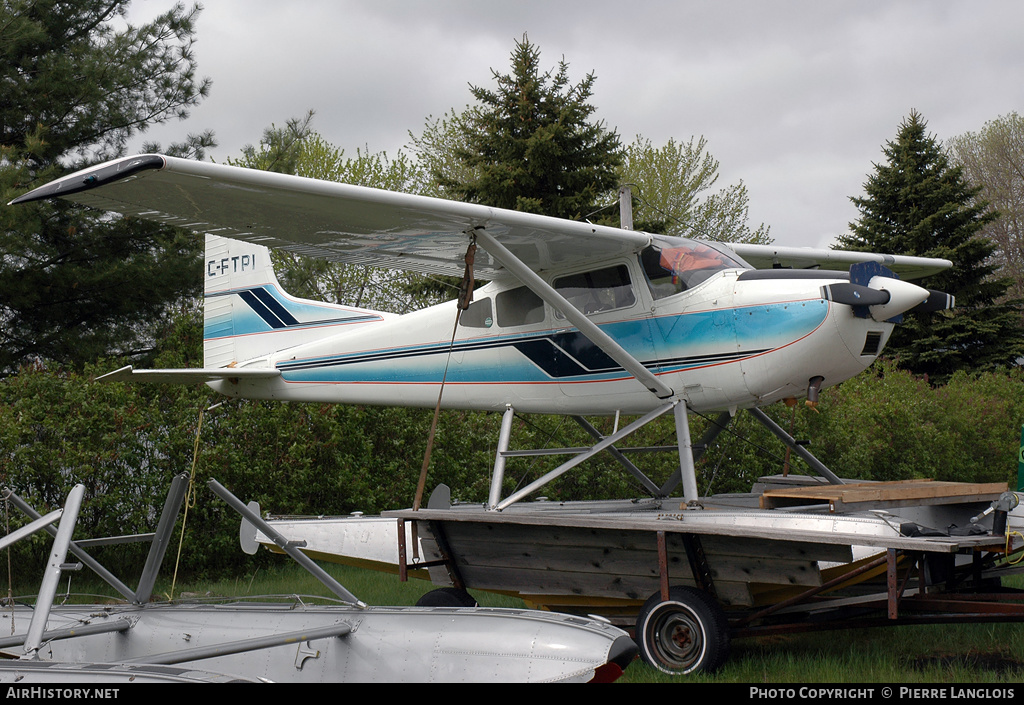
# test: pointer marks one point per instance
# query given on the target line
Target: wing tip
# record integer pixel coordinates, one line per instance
(93, 177)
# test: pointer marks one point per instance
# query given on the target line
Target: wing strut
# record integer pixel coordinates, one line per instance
(572, 314)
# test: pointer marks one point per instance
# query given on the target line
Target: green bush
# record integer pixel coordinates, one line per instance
(888, 425)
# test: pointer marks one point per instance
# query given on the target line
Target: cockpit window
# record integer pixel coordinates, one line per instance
(672, 267)
(598, 290)
(519, 307)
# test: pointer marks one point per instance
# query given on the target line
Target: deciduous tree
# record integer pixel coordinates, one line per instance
(672, 188)
(993, 160)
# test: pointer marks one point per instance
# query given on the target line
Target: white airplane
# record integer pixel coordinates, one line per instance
(576, 318)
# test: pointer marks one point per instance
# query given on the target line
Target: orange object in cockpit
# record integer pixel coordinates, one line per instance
(680, 260)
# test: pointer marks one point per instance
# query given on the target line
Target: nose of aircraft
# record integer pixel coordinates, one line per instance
(903, 296)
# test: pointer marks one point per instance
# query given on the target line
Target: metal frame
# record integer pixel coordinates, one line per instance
(546, 646)
(63, 544)
(689, 453)
(159, 539)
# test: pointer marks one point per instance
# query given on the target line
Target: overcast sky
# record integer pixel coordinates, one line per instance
(795, 98)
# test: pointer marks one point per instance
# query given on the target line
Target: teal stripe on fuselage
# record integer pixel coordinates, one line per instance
(733, 333)
(267, 309)
(663, 344)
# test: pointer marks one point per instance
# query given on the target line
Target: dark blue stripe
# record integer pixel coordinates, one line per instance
(261, 310)
(543, 352)
(275, 307)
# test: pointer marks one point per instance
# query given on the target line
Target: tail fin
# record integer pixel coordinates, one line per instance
(248, 315)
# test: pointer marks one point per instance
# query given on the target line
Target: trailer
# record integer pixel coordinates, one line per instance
(795, 554)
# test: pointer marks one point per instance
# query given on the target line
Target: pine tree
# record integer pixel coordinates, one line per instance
(917, 203)
(530, 144)
(77, 85)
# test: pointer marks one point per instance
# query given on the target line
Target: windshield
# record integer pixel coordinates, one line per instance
(678, 264)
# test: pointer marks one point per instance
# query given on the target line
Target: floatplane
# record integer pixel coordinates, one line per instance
(576, 319)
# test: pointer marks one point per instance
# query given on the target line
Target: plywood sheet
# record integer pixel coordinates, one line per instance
(880, 494)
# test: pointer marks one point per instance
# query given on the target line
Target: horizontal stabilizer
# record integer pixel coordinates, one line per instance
(186, 376)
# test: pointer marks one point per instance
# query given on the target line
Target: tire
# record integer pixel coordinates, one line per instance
(685, 634)
(447, 597)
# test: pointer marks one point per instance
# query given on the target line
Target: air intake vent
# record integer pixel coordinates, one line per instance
(872, 343)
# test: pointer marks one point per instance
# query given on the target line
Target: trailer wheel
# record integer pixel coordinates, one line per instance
(447, 597)
(684, 634)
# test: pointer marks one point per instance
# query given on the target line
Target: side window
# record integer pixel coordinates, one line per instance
(600, 290)
(478, 315)
(518, 307)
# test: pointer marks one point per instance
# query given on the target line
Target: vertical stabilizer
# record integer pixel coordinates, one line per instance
(248, 315)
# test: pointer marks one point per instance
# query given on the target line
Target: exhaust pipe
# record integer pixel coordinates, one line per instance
(813, 389)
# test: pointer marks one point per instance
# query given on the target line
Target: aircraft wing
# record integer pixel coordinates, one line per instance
(771, 256)
(338, 222)
(359, 225)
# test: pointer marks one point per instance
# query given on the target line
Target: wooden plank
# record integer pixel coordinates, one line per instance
(884, 492)
(587, 546)
(533, 584)
(519, 559)
(529, 540)
(780, 549)
(733, 543)
(512, 558)
(570, 560)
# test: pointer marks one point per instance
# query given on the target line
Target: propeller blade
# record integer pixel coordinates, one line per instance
(854, 294)
(936, 301)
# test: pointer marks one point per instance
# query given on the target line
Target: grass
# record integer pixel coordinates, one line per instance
(965, 653)
(961, 653)
(372, 587)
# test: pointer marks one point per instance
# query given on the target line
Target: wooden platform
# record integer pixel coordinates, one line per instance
(573, 560)
(880, 495)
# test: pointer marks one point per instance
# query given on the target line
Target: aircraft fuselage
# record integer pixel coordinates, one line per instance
(734, 340)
